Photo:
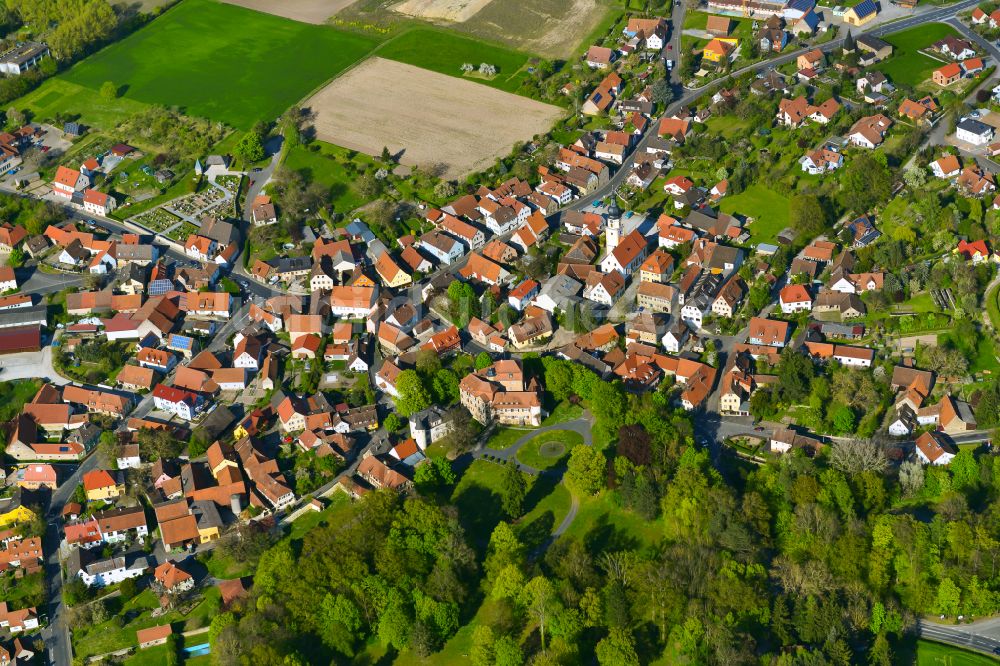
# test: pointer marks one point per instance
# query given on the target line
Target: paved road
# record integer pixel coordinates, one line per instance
(983, 636)
(261, 178)
(56, 634)
(583, 426)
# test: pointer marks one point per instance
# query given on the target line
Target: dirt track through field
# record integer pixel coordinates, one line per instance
(434, 119)
(446, 10)
(307, 11)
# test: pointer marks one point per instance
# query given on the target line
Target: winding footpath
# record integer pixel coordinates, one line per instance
(583, 426)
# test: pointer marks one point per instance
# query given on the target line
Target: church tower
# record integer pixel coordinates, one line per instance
(613, 229)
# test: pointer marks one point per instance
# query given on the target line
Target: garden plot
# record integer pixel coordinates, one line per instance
(431, 119)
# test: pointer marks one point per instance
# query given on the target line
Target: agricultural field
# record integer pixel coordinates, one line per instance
(550, 28)
(445, 52)
(253, 70)
(307, 11)
(908, 66)
(445, 129)
(456, 11)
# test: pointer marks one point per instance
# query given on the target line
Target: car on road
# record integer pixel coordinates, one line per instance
(256, 170)
(670, 47)
(759, 429)
(597, 204)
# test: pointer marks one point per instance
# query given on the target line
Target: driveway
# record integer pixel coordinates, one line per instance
(30, 365)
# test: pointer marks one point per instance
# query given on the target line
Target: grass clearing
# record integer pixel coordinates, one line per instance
(768, 208)
(548, 449)
(445, 52)
(58, 96)
(252, 70)
(477, 496)
(938, 654)
(908, 66)
(601, 522)
(332, 167)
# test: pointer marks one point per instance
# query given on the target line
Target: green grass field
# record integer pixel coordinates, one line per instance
(600, 520)
(936, 654)
(548, 449)
(768, 208)
(908, 66)
(212, 60)
(445, 52)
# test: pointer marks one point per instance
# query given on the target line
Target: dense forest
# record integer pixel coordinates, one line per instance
(825, 560)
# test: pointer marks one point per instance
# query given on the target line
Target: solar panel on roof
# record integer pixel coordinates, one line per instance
(160, 287)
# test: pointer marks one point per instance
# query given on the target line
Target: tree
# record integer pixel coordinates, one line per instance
(250, 148)
(617, 649)
(513, 489)
(914, 177)
(15, 116)
(109, 90)
(844, 420)
(539, 597)
(865, 183)
(483, 360)
(854, 456)
(413, 396)
(445, 190)
(662, 93)
(806, 215)
(585, 470)
(433, 474)
(392, 422)
(911, 477)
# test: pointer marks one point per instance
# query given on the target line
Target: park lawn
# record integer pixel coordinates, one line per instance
(600, 521)
(503, 438)
(907, 66)
(445, 52)
(557, 502)
(328, 166)
(219, 61)
(930, 653)
(108, 637)
(477, 497)
(548, 449)
(564, 411)
(768, 208)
